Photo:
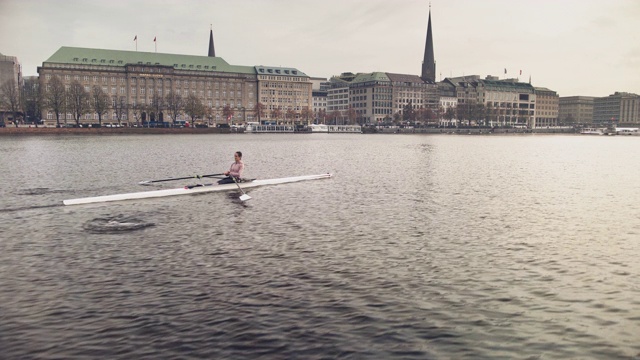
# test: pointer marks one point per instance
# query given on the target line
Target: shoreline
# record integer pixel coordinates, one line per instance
(25, 131)
(103, 131)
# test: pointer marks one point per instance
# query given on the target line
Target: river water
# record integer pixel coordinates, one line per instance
(420, 247)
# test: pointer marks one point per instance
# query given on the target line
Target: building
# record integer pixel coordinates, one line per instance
(10, 73)
(546, 110)
(142, 80)
(620, 108)
(492, 102)
(319, 106)
(575, 110)
(286, 94)
(380, 97)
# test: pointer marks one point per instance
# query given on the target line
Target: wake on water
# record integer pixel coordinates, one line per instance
(115, 224)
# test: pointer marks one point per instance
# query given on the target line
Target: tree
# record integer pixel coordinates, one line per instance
(450, 114)
(351, 115)
(322, 114)
(99, 102)
(156, 106)
(306, 114)
(55, 97)
(77, 100)
(120, 108)
(136, 111)
(32, 101)
(397, 117)
(227, 112)
(407, 112)
(194, 108)
(276, 113)
(10, 98)
(175, 104)
(259, 110)
(290, 115)
(334, 115)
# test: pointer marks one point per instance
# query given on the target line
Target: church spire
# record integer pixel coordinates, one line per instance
(428, 62)
(212, 50)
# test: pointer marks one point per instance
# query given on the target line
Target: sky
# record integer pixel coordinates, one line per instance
(574, 47)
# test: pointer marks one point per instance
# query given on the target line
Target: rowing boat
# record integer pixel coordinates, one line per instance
(188, 190)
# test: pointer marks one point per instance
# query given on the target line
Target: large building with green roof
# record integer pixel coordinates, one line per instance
(142, 80)
(380, 97)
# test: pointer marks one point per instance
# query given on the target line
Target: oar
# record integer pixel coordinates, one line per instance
(180, 178)
(244, 196)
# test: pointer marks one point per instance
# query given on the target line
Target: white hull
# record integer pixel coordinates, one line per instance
(354, 129)
(319, 128)
(593, 131)
(187, 191)
(269, 129)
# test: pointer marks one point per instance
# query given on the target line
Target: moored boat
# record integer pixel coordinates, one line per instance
(253, 128)
(628, 131)
(593, 131)
(355, 129)
(319, 128)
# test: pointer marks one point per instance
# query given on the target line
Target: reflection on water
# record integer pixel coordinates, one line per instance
(420, 247)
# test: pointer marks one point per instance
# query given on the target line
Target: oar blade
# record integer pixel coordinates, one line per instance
(244, 197)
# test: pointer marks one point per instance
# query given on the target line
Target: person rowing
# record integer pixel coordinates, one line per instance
(235, 171)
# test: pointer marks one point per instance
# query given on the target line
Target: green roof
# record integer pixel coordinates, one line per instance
(374, 76)
(74, 55)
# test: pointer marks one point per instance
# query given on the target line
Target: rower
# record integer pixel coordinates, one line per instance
(235, 171)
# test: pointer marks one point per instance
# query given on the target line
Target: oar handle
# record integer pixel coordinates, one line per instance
(180, 178)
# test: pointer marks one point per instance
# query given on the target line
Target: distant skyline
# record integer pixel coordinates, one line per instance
(574, 47)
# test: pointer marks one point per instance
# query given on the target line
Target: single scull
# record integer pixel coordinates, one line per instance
(187, 190)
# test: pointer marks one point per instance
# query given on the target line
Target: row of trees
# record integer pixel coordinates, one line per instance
(29, 102)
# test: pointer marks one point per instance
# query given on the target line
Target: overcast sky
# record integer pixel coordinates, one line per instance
(575, 47)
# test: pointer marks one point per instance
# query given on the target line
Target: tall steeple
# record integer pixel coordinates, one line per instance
(429, 62)
(212, 50)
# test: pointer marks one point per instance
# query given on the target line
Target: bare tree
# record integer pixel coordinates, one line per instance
(32, 101)
(156, 107)
(259, 110)
(136, 111)
(290, 115)
(194, 108)
(55, 97)
(335, 114)
(78, 101)
(322, 115)
(227, 112)
(276, 113)
(10, 98)
(175, 104)
(306, 114)
(120, 108)
(99, 102)
(351, 115)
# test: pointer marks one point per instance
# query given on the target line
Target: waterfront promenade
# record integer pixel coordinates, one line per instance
(15, 131)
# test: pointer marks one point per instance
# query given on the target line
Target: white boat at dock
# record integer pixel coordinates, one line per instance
(319, 128)
(353, 129)
(628, 131)
(256, 128)
(593, 131)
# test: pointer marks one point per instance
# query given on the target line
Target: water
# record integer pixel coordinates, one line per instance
(420, 247)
